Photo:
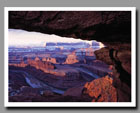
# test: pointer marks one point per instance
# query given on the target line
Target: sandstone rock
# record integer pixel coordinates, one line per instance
(71, 59)
(101, 90)
(120, 57)
(125, 58)
(44, 59)
(51, 60)
(22, 64)
(38, 64)
(103, 55)
(37, 59)
(92, 25)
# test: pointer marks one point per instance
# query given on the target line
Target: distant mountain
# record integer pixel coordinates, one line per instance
(50, 44)
(67, 44)
(73, 45)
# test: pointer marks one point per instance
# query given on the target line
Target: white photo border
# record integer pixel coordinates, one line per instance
(72, 104)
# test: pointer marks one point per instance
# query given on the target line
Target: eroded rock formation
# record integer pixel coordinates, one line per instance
(119, 55)
(71, 59)
(101, 90)
(98, 25)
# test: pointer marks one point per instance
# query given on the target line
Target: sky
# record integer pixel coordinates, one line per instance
(22, 38)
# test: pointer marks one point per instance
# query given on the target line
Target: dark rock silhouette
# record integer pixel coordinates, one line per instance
(120, 57)
(105, 26)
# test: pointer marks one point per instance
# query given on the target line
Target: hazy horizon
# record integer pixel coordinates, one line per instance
(22, 38)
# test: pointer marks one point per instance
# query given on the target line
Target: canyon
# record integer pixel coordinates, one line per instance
(47, 76)
(112, 28)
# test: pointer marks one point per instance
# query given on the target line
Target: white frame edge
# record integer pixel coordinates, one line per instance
(72, 104)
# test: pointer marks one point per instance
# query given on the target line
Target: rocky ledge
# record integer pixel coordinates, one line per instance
(99, 90)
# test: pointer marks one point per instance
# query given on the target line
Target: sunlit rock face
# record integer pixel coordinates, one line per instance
(71, 59)
(43, 65)
(80, 55)
(101, 90)
(52, 60)
(22, 64)
(98, 90)
(49, 59)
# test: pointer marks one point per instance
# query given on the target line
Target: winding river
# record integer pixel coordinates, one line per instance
(35, 83)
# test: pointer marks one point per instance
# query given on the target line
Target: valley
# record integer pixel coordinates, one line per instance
(43, 71)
